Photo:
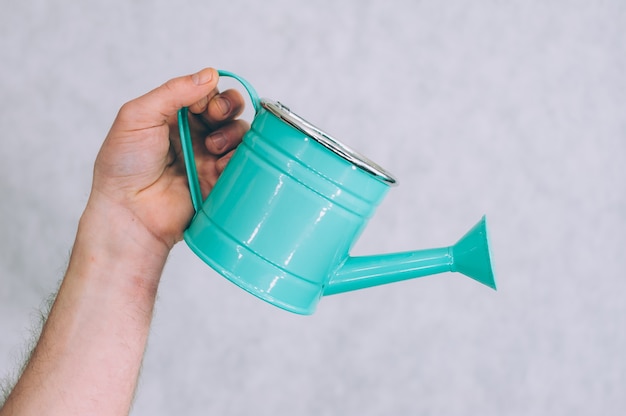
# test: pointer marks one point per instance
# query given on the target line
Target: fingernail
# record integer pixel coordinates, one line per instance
(223, 104)
(202, 77)
(219, 140)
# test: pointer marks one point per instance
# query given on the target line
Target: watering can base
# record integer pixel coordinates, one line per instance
(249, 270)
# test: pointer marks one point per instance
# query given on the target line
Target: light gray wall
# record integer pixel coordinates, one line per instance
(514, 109)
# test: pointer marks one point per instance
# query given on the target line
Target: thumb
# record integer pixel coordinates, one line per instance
(157, 106)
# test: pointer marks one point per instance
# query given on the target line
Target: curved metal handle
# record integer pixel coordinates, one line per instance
(187, 146)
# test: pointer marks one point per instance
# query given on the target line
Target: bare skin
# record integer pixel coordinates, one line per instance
(88, 356)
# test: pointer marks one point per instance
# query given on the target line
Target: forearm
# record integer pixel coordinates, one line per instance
(89, 354)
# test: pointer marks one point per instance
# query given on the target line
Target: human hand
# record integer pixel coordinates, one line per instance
(139, 172)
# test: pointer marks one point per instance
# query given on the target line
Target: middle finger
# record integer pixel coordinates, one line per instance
(223, 107)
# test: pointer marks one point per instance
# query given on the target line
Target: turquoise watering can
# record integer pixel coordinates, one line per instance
(289, 206)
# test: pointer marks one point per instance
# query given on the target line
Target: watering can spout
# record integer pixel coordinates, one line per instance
(469, 256)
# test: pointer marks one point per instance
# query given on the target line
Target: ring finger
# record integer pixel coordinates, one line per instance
(226, 138)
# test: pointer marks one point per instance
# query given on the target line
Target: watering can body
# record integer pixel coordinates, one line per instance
(287, 209)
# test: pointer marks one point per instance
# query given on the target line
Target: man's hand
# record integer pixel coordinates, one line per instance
(140, 168)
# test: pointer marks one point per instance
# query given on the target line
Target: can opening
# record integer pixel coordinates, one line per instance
(284, 113)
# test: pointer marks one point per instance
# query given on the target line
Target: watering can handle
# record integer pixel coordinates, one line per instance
(186, 144)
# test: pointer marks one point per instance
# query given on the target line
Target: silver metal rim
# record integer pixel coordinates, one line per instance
(285, 114)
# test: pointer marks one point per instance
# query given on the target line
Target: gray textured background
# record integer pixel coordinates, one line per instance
(514, 109)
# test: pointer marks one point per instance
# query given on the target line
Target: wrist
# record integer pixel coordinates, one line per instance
(114, 240)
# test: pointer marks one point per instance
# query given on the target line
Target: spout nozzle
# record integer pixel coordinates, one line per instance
(472, 256)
